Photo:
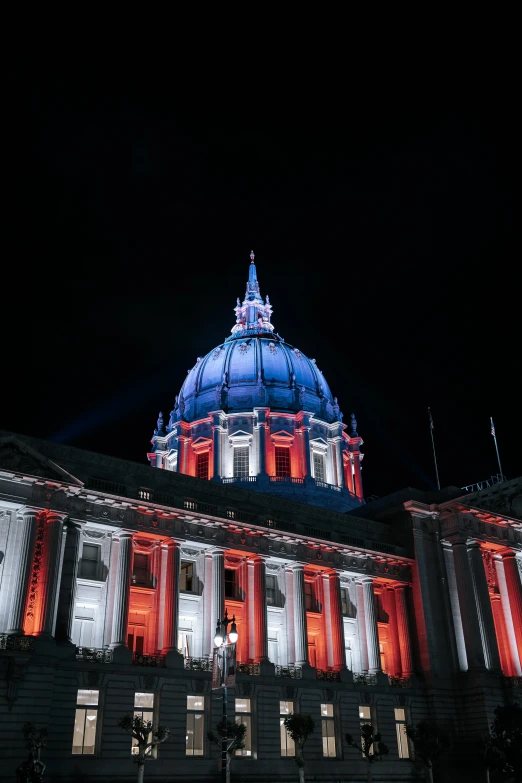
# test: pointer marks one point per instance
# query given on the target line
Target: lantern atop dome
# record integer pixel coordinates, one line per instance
(253, 316)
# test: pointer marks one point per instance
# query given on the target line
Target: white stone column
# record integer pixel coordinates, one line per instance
(68, 583)
(468, 607)
(218, 589)
(289, 614)
(120, 617)
(20, 548)
(55, 533)
(208, 630)
(216, 445)
(261, 623)
(261, 428)
(512, 649)
(300, 626)
(403, 628)
(372, 632)
(361, 625)
(339, 461)
(455, 606)
(483, 605)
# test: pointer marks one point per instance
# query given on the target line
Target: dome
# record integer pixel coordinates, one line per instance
(258, 370)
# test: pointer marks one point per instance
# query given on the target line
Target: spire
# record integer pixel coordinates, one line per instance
(253, 316)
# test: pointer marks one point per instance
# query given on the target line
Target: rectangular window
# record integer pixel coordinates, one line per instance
(310, 602)
(273, 648)
(85, 722)
(90, 560)
(140, 570)
(319, 471)
(347, 607)
(144, 709)
(282, 461)
(195, 736)
(382, 656)
(400, 728)
(186, 578)
(365, 716)
(244, 707)
(287, 743)
(202, 465)
(241, 461)
(272, 593)
(230, 583)
(328, 730)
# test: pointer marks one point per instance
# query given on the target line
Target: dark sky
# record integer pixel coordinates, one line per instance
(382, 219)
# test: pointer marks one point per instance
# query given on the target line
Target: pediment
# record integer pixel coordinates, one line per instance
(201, 441)
(319, 442)
(240, 434)
(283, 435)
(18, 457)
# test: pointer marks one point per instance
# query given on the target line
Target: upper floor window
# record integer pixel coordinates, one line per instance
(319, 471)
(202, 465)
(310, 602)
(195, 734)
(403, 746)
(282, 461)
(90, 559)
(144, 709)
(244, 708)
(287, 743)
(186, 578)
(230, 583)
(348, 608)
(85, 722)
(241, 461)
(328, 730)
(140, 573)
(272, 592)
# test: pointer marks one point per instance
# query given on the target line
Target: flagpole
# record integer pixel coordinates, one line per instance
(496, 447)
(433, 445)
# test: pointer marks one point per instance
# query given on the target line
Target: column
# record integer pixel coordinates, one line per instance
(455, 606)
(357, 474)
(216, 446)
(261, 428)
(251, 610)
(361, 626)
(468, 607)
(500, 630)
(393, 632)
(218, 589)
(514, 589)
(337, 624)
(327, 619)
(261, 624)
(339, 462)
(289, 613)
(349, 476)
(208, 631)
(483, 605)
(304, 419)
(403, 629)
(67, 596)
(372, 633)
(55, 533)
(171, 611)
(120, 617)
(20, 546)
(183, 442)
(511, 639)
(300, 629)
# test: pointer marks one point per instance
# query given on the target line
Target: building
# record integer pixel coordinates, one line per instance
(113, 576)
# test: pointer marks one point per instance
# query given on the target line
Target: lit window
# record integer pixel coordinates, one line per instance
(85, 722)
(186, 579)
(310, 603)
(328, 730)
(348, 608)
(202, 465)
(273, 646)
(195, 726)
(241, 461)
(319, 472)
(382, 656)
(243, 706)
(271, 590)
(230, 583)
(365, 717)
(144, 709)
(90, 560)
(287, 743)
(140, 571)
(282, 461)
(400, 728)
(83, 625)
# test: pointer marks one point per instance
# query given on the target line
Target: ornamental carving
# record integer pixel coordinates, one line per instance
(35, 573)
(243, 348)
(272, 347)
(94, 534)
(491, 571)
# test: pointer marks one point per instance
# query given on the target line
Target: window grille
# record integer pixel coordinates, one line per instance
(144, 709)
(271, 590)
(195, 735)
(319, 471)
(328, 730)
(282, 461)
(287, 743)
(186, 578)
(90, 560)
(202, 465)
(244, 708)
(241, 461)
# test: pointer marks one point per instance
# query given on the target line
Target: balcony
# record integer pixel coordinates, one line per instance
(93, 655)
(21, 643)
(328, 674)
(289, 672)
(365, 679)
(399, 682)
(203, 664)
(252, 669)
(140, 659)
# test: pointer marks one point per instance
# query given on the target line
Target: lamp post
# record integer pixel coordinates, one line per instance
(220, 640)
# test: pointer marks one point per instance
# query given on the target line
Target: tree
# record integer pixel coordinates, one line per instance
(234, 733)
(299, 727)
(506, 737)
(146, 736)
(492, 756)
(429, 741)
(35, 739)
(369, 740)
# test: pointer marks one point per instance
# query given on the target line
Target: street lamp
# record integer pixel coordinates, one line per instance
(220, 640)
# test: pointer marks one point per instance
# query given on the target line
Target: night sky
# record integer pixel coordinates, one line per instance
(383, 226)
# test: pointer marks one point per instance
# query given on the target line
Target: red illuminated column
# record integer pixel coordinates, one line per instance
(357, 474)
(483, 604)
(403, 629)
(261, 442)
(55, 533)
(171, 611)
(120, 618)
(183, 443)
(304, 419)
(511, 639)
(500, 629)
(67, 597)
(300, 627)
(19, 558)
(372, 633)
(514, 588)
(336, 638)
(260, 623)
(393, 631)
(349, 475)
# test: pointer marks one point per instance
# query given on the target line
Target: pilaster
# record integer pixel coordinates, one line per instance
(403, 628)
(372, 633)
(68, 583)
(468, 607)
(336, 639)
(20, 548)
(55, 533)
(171, 604)
(483, 606)
(511, 638)
(218, 588)
(260, 624)
(120, 619)
(300, 626)
(514, 589)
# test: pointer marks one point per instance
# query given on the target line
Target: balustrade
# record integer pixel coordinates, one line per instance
(289, 672)
(94, 655)
(22, 643)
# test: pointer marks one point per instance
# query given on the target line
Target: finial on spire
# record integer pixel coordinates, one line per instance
(354, 426)
(252, 256)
